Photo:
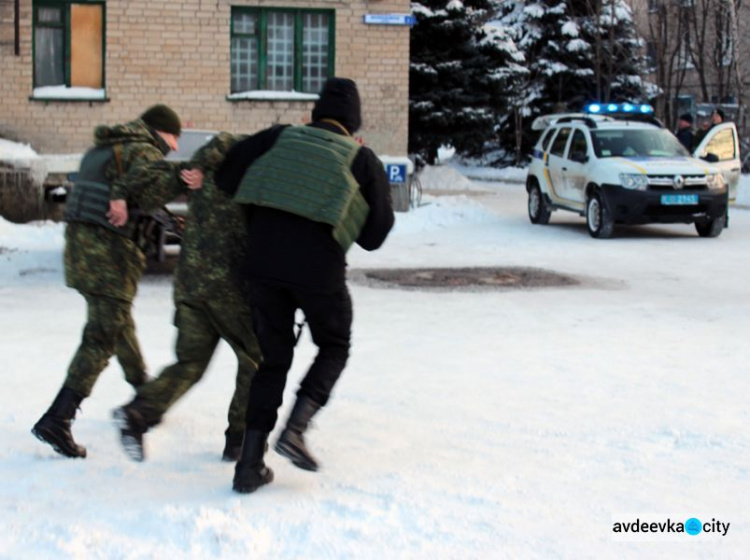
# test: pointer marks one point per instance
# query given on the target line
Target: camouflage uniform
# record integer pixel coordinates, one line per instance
(105, 267)
(209, 305)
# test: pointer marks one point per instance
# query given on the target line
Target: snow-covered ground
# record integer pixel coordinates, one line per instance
(514, 424)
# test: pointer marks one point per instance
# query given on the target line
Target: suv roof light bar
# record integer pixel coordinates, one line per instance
(625, 112)
(618, 108)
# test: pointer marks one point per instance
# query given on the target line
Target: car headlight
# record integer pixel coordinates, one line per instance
(634, 181)
(715, 181)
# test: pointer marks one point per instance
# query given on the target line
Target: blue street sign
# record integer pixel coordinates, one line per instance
(390, 19)
(396, 173)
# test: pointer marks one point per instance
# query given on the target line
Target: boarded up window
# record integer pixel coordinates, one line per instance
(68, 44)
(86, 48)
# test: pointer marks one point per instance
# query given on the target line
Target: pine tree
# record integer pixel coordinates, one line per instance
(616, 61)
(577, 51)
(458, 74)
(544, 33)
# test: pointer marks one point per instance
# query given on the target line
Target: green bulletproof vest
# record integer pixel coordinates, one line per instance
(89, 199)
(308, 173)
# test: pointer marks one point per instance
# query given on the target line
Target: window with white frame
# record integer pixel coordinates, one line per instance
(282, 50)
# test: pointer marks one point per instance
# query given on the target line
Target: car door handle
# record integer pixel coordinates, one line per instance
(734, 169)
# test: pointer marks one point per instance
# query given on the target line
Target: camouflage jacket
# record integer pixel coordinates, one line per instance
(214, 235)
(102, 262)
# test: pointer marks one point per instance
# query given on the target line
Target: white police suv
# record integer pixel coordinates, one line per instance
(630, 170)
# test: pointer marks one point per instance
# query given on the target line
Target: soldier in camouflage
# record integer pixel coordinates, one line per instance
(209, 305)
(104, 262)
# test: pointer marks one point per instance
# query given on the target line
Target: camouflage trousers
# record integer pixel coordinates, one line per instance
(200, 326)
(109, 331)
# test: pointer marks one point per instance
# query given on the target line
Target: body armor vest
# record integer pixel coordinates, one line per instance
(308, 173)
(89, 200)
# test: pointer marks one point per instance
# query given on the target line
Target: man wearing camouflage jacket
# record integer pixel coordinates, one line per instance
(208, 305)
(104, 263)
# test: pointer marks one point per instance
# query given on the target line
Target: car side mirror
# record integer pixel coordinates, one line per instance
(710, 158)
(579, 157)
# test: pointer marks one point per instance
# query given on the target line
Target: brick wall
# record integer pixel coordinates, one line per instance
(178, 52)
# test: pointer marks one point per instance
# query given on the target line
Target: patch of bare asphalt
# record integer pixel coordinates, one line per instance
(473, 279)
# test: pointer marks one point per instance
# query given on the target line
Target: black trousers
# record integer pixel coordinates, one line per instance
(329, 318)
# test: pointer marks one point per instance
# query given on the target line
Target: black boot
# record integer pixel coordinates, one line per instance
(250, 473)
(233, 446)
(140, 381)
(131, 420)
(291, 443)
(54, 426)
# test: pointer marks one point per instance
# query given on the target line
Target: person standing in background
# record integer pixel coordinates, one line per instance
(685, 131)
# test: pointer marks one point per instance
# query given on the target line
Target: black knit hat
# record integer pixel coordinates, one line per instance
(160, 117)
(339, 100)
(687, 117)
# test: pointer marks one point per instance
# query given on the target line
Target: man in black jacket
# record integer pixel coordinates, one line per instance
(308, 193)
(685, 131)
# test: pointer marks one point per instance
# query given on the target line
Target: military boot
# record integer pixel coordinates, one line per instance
(233, 445)
(291, 443)
(131, 419)
(54, 425)
(251, 472)
(139, 381)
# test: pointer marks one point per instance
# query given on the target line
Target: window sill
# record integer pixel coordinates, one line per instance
(70, 99)
(272, 96)
(65, 93)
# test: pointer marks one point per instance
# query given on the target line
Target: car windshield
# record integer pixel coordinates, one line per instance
(636, 143)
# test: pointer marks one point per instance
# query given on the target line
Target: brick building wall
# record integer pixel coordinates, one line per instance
(178, 52)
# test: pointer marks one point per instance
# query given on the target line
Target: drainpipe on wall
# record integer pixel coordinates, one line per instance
(17, 12)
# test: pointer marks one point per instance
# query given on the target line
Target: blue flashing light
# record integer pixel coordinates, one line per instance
(598, 108)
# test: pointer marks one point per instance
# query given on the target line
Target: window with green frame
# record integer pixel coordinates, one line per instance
(69, 43)
(281, 49)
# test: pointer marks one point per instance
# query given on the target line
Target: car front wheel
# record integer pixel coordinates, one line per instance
(539, 212)
(598, 221)
(710, 228)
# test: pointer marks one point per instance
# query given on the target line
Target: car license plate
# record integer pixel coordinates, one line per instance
(679, 199)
